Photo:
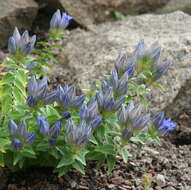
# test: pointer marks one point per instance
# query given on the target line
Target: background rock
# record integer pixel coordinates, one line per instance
(88, 12)
(173, 5)
(91, 54)
(15, 13)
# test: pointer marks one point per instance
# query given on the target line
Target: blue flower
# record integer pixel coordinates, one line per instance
(37, 91)
(106, 101)
(160, 69)
(55, 129)
(52, 141)
(21, 44)
(47, 131)
(66, 97)
(89, 111)
(31, 65)
(66, 115)
(132, 119)
(96, 121)
(20, 134)
(163, 125)
(125, 64)
(17, 144)
(43, 125)
(30, 137)
(60, 20)
(78, 135)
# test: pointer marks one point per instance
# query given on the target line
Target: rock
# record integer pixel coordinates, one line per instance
(88, 12)
(174, 5)
(169, 188)
(15, 13)
(92, 54)
(160, 180)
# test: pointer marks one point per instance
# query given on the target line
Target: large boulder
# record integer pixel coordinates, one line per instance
(173, 5)
(15, 13)
(88, 12)
(92, 54)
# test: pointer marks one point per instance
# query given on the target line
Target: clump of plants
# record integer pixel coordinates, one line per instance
(59, 129)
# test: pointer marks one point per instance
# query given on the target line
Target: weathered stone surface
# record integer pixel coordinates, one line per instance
(174, 5)
(88, 12)
(15, 13)
(91, 54)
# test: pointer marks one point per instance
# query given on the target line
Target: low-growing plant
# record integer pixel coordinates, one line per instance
(62, 130)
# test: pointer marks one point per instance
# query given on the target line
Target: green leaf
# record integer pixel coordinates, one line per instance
(111, 163)
(61, 171)
(81, 157)
(125, 154)
(106, 149)
(28, 152)
(78, 166)
(95, 155)
(17, 157)
(66, 160)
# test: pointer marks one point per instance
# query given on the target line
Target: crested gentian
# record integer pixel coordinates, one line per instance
(43, 125)
(31, 65)
(160, 69)
(119, 85)
(89, 113)
(60, 20)
(78, 136)
(96, 121)
(124, 64)
(153, 61)
(131, 119)
(66, 115)
(106, 101)
(163, 125)
(46, 131)
(17, 144)
(66, 97)
(37, 91)
(18, 44)
(20, 134)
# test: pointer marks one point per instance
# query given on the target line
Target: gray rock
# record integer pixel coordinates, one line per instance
(88, 12)
(160, 180)
(15, 13)
(174, 5)
(92, 54)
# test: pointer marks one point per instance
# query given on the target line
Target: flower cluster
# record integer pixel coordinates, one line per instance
(37, 91)
(78, 136)
(67, 127)
(21, 44)
(20, 134)
(60, 20)
(132, 119)
(163, 125)
(47, 131)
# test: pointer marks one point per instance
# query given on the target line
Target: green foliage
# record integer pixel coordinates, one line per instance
(121, 16)
(106, 141)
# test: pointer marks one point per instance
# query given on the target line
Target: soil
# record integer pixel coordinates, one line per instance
(167, 166)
